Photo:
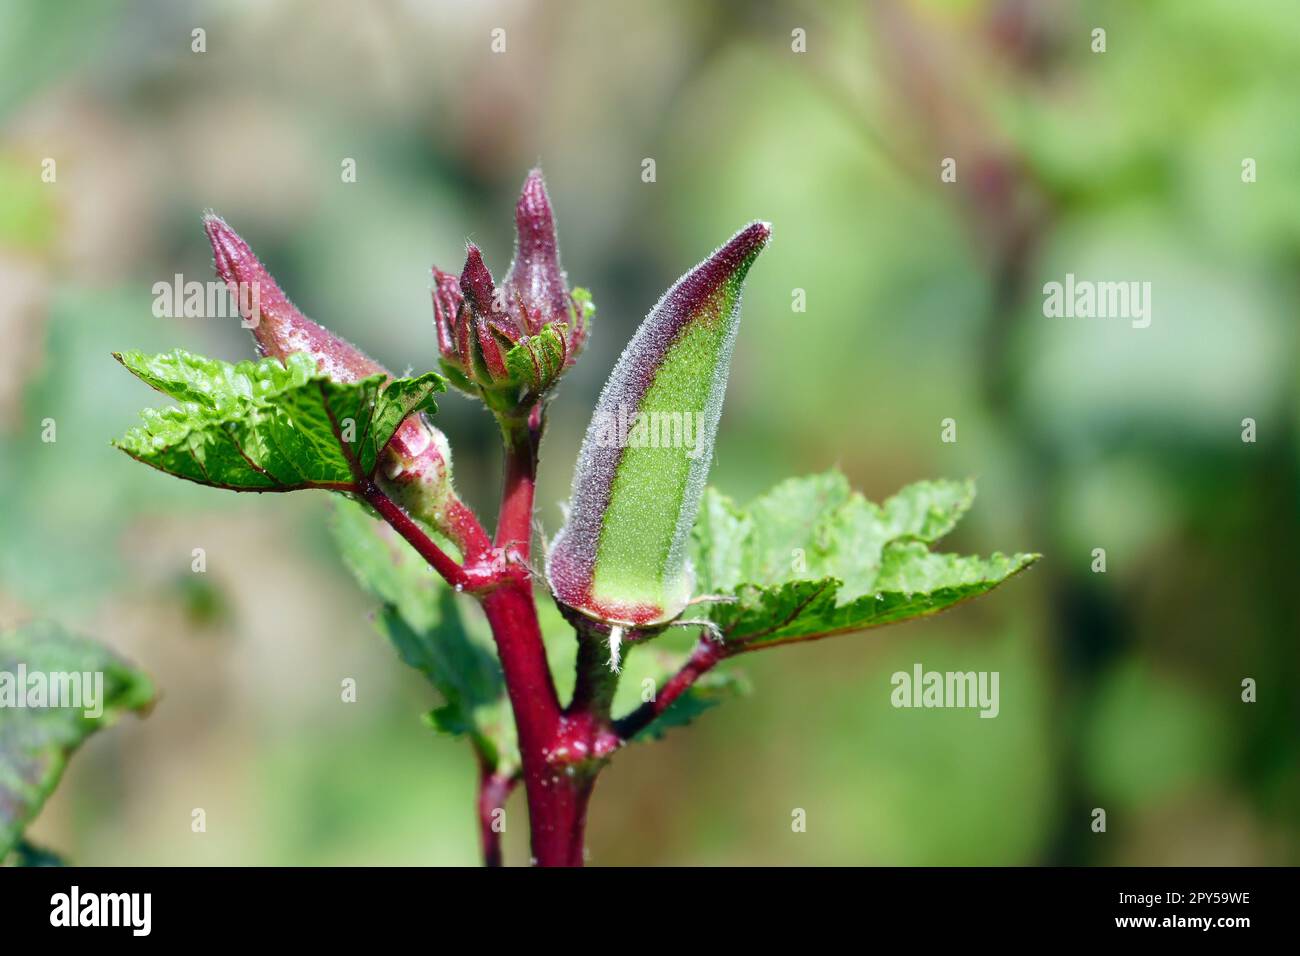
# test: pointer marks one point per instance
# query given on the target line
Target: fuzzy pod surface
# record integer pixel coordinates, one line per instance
(621, 557)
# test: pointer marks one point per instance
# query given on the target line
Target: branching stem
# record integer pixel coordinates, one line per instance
(404, 525)
(706, 654)
(561, 750)
(522, 437)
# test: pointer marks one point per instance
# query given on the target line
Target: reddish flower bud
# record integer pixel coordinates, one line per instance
(491, 333)
(535, 288)
(510, 345)
(415, 468)
(277, 325)
(447, 305)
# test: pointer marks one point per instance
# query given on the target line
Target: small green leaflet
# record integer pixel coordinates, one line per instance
(812, 558)
(537, 362)
(267, 426)
(584, 307)
(420, 617)
(36, 741)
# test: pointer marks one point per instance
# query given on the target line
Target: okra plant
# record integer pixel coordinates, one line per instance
(645, 547)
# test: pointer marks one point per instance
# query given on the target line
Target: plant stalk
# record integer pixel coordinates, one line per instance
(404, 525)
(705, 655)
(561, 750)
(557, 791)
(513, 617)
(522, 437)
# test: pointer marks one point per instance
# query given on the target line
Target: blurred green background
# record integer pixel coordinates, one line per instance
(1119, 690)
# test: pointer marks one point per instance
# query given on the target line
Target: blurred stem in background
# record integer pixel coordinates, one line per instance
(1008, 213)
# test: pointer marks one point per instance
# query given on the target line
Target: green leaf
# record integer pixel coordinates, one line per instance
(422, 619)
(37, 741)
(583, 308)
(267, 426)
(812, 558)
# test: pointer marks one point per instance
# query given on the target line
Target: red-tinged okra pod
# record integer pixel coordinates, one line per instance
(620, 558)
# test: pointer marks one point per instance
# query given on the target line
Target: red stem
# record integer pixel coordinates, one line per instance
(558, 785)
(557, 798)
(515, 522)
(463, 527)
(414, 534)
(706, 654)
(557, 801)
(493, 791)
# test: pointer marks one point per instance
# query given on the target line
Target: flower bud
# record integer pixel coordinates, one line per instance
(277, 326)
(509, 345)
(536, 291)
(487, 333)
(621, 556)
(415, 467)
(447, 305)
